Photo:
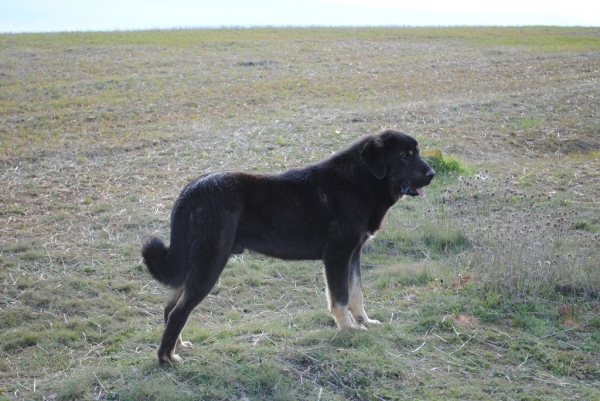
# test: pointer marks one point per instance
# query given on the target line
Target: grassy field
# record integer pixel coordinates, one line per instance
(489, 287)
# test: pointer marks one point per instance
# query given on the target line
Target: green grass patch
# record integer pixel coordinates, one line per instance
(444, 165)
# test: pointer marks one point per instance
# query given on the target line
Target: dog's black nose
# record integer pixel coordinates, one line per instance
(430, 173)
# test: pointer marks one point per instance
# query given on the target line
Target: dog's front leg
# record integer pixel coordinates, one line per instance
(356, 301)
(337, 270)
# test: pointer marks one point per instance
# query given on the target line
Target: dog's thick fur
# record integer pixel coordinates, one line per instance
(325, 211)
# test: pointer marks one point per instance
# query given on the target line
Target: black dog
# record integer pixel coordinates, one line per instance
(325, 211)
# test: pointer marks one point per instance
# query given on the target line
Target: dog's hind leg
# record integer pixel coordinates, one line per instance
(356, 298)
(176, 320)
(171, 302)
(209, 253)
(192, 295)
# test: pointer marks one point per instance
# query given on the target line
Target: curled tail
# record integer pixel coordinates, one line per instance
(160, 266)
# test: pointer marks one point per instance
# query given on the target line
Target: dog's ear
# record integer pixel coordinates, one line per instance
(373, 155)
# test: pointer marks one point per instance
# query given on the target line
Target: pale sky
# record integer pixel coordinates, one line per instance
(107, 15)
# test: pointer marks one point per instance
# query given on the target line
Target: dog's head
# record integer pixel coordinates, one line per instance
(394, 157)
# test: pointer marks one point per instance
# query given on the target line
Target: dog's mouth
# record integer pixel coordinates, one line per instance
(416, 187)
(410, 191)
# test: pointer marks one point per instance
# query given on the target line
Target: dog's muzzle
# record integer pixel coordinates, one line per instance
(418, 189)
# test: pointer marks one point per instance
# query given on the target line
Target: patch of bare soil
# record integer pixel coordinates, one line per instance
(464, 320)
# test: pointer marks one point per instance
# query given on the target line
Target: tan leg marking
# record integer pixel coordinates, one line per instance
(171, 360)
(341, 316)
(174, 296)
(184, 344)
(356, 305)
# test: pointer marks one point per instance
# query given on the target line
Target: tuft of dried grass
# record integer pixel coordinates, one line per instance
(523, 244)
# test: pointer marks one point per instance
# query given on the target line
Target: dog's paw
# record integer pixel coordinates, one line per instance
(186, 345)
(364, 320)
(353, 326)
(173, 359)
